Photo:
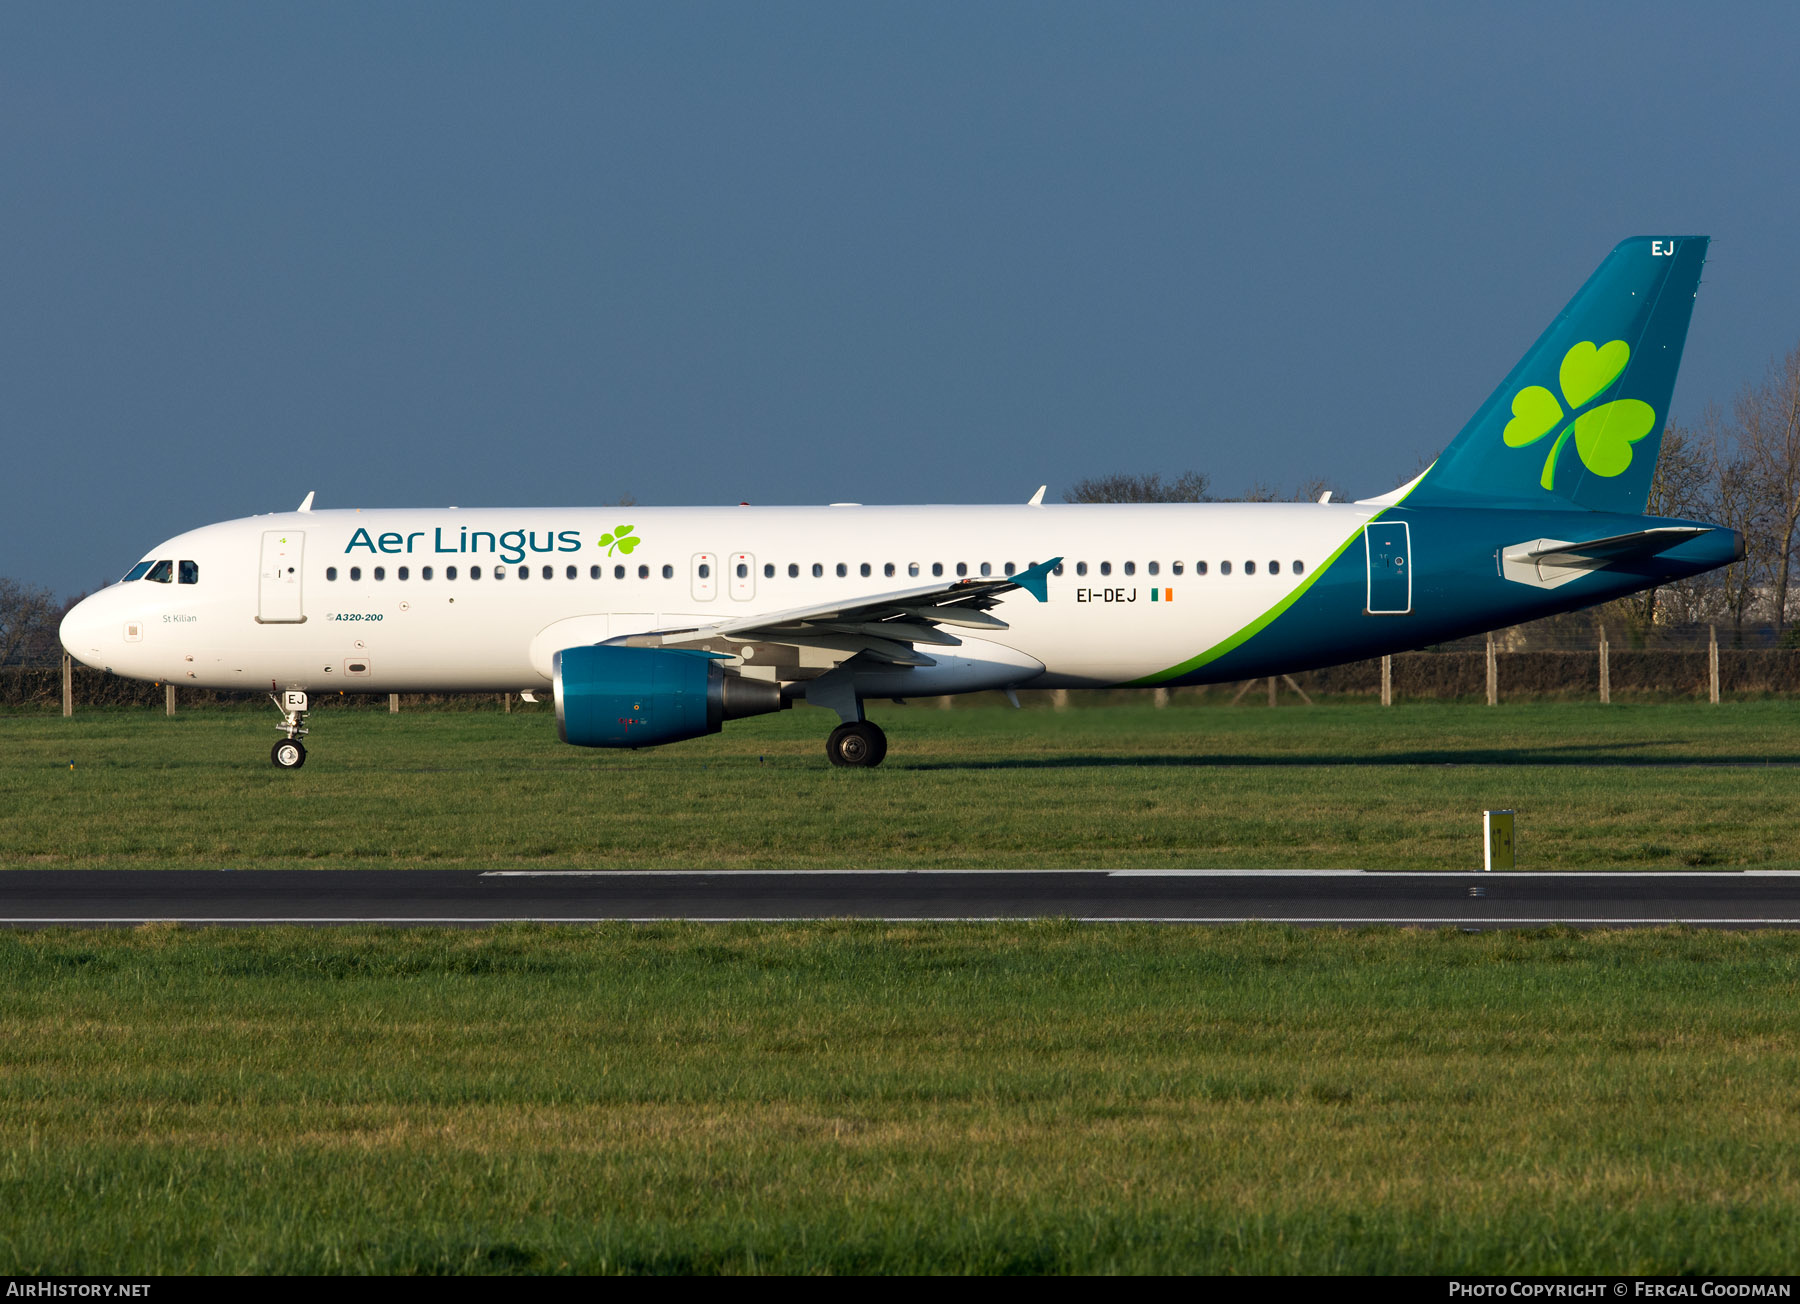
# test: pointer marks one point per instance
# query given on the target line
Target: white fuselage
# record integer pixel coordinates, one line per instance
(366, 601)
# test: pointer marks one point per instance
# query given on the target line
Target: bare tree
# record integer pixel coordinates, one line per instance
(1188, 487)
(26, 612)
(1682, 486)
(1314, 489)
(1736, 503)
(1768, 416)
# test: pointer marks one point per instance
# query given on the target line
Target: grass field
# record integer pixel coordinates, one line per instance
(1667, 785)
(845, 1098)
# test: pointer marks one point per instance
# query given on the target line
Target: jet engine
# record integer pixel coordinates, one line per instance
(639, 697)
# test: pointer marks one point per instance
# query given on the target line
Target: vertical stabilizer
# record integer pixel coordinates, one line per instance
(1580, 419)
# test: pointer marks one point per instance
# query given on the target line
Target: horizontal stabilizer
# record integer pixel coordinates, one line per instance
(1548, 563)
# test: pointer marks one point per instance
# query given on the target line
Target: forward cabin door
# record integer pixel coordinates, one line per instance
(1389, 548)
(278, 592)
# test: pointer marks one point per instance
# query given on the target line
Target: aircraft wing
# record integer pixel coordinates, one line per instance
(884, 627)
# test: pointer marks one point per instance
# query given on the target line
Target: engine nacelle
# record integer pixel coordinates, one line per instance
(641, 696)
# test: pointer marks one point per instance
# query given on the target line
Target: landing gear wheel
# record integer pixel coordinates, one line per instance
(860, 744)
(288, 754)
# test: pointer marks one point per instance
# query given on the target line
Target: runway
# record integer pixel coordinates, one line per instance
(1346, 898)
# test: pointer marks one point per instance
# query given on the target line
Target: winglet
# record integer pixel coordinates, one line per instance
(1037, 499)
(307, 505)
(1035, 580)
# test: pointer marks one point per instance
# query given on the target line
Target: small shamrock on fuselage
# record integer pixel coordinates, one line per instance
(621, 538)
(1603, 435)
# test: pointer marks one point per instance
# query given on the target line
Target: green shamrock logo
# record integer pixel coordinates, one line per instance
(621, 538)
(1603, 435)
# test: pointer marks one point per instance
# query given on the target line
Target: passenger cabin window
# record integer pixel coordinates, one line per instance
(706, 571)
(162, 572)
(1131, 568)
(1249, 568)
(937, 568)
(842, 570)
(1274, 568)
(1153, 568)
(888, 570)
(1199, 568)
(1106, 568)
(818, 571)
(793, 570)
(668, 572)
(569, 572)
(474, 573)
(1009, 568)
(1081, 568)
(550, 572)
(618, 572)
(743, 571)
(768, 570)
(866, 570)
(449, 572)
(188, 572)
(381, 572)
(137, 572)
(912, 568)
(595, 572)
(1224, 567)
(1299, 568)
(402, 573)
(1174, 567)
(424, 572)
(356, 573)
(1058, 570)
(643, 572)
(499, 572)
(962, 568)
(331, 572)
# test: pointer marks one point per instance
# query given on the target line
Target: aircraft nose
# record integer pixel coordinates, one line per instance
(85, 630)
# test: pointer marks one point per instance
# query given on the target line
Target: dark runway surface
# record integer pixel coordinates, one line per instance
(1346, 897)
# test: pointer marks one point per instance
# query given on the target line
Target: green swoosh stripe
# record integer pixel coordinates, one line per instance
(1268, 617)
(1256, 626)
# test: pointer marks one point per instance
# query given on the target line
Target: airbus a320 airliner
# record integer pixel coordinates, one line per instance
(652, 625)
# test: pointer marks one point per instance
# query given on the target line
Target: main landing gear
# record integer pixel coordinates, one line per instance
(857, 743)
(290, 753)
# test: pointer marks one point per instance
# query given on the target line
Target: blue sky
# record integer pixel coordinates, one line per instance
(551, 254)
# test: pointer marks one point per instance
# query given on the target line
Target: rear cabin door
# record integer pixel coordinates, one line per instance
(278, 592)
(1389, 547)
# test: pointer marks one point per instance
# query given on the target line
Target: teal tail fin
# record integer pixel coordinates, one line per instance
(1580, 419)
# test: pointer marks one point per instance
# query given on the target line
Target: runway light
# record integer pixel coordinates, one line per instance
(1497, 839)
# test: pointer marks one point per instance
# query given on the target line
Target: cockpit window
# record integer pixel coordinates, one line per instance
(188, 572)
(137, 572)
(162, 572)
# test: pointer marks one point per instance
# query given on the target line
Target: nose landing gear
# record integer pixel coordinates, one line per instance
(859, 743)
(290, 753)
